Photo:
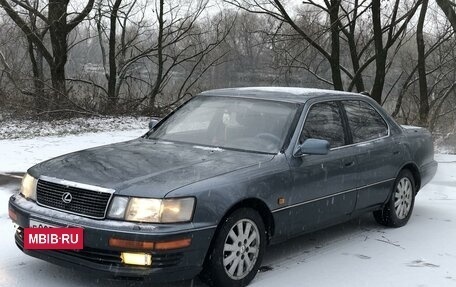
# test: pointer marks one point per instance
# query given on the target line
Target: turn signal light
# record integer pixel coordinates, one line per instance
(12, 215)
(175, 244)
(130, 244)
(149, 245)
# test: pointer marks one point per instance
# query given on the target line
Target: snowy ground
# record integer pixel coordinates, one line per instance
(10, 129)
(358, 253)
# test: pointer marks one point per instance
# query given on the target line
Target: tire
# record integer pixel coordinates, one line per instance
(398, 209)
(236, 254)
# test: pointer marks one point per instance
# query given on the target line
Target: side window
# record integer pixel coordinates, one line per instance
(324, 122)
(364, 121)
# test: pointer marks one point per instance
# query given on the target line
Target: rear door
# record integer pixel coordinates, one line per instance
(324, 186)
(378, 154)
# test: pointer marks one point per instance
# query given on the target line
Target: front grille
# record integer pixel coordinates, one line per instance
(94, 255)
(163, 260)
(84, 202)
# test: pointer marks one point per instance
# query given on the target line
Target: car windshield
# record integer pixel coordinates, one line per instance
(229, 122)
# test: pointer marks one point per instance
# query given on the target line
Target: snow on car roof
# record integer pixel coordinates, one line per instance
(292, 94)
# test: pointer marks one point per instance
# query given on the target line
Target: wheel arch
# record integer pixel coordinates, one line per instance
(413, 168)
(255, 204)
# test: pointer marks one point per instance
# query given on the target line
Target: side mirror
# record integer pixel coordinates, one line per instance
(312, 146)
(153, 122)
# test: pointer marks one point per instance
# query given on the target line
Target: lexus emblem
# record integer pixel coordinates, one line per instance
(67, 197)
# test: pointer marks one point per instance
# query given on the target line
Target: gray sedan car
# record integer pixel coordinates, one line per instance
(217, 180)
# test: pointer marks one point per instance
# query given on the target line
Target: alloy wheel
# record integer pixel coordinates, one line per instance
(241, 249)
(403, 198)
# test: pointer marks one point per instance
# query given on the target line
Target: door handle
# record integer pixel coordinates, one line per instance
(350, 163)
(396, 152)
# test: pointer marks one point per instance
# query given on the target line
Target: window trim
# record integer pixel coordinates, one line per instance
(344, 123)
(342, 117)
(348, 124)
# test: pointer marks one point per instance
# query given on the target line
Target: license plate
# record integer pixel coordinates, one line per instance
(38, 224)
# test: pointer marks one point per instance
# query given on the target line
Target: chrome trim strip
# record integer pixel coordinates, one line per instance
(81, 186)
(77, 184)
(332, 195)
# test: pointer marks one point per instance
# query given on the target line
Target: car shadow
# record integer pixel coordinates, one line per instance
(312, 244)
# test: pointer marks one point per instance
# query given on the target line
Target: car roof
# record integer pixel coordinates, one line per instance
(286, 94)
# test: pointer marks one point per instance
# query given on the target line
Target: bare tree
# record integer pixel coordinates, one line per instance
(59, 24)
(148, 54)
(397, 27)
(277, 10)
(423, 103)
(345, 17)
(449, 8)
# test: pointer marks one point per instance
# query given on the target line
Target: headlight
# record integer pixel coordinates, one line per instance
(28, 187)
(177, 210)
(152, 210)
(144, 209)
(118, 207)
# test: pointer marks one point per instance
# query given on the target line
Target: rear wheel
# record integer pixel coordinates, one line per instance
(398, 209)
(238, 250)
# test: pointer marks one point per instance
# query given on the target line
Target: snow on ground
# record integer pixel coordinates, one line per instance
(357, 253)
(10, 129)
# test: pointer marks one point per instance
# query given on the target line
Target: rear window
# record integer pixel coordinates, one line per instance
(364, 121)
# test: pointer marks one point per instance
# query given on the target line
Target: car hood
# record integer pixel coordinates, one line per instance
(147, 168)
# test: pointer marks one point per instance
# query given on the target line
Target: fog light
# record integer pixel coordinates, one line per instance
(143, 259)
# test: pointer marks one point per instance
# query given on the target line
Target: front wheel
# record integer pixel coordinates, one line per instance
(237, 251)
(398, 209)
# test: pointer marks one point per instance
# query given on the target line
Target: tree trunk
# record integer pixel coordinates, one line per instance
(160, 63)
(358, 79)
(112, 80)
(38, 78)
(58, 31)
(380, 53)
(449, 11)
(335, 45)
(424, 101)
(58, 84)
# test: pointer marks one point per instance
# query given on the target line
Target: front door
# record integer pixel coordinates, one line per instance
(324, 186)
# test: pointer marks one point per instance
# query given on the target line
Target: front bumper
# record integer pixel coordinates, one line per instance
(98, 257)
